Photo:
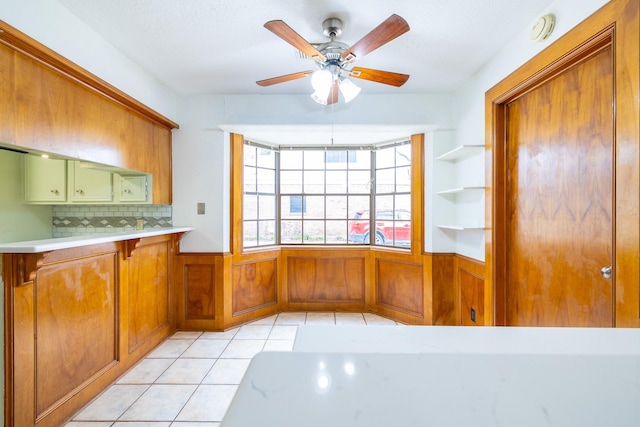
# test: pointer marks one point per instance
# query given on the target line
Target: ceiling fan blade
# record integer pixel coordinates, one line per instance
(286, 33)
(379, 76)
(285, 78)
(391, 28)
(333, 93)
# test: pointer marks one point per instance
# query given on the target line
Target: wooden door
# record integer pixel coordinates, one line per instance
(559, 201)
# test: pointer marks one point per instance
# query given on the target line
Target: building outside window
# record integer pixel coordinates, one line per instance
(310, 196)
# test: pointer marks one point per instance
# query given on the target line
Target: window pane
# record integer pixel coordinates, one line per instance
(403, 179)
(291, 182)
(337, 207)
(339, 159)
(290, 232)
(266, 158)
(385, 180)
(359, 204)
(313, 232)
(403, 202)
(266, 181)
(267, 206)
(314, 159)
(249, 155)
(385, 158)
(314, 182)
(250, 207)
(403, 155)
(315, 207)
(336, 182)
(249, 179)
(359, 182)
(250, 232)
(363, 160)
(384, 203)
(336, 232)
(266, 232)
(292, 207)
(290, 159)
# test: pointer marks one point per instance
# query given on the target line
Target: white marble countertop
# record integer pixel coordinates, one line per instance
(45, 245)
(466, 339)
(436, 389)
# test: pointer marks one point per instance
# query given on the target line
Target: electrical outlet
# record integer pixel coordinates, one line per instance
(139, 224)
(473, 315)
(200, 208)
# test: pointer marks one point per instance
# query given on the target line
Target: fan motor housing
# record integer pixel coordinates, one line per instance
(332, 27)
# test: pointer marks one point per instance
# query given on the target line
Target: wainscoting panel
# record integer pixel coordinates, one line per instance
(444, 291)
(75, 326)
(469, 277)
(199, 291)
(149, 301)
(254, 285)
(399, 286)
(326, 280)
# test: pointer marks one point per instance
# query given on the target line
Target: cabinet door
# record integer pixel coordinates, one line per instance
(133, 189)
(45, 180)
(89, 185)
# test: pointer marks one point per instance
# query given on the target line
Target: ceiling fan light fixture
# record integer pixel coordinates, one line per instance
(319, 99)
(348, 89)
(321, 80)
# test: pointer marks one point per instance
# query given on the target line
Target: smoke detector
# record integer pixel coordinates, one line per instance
(543, 28)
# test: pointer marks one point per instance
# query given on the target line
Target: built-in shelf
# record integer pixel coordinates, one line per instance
(461, 227)
(460, 190)
(461, 152)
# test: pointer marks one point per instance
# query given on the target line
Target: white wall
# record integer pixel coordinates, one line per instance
(469, 99)
(201, 166)
(53, 25)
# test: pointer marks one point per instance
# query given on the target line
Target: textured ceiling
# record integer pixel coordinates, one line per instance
(221, 46)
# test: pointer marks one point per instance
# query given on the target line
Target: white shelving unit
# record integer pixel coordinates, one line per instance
(460, 153)
(460, 190)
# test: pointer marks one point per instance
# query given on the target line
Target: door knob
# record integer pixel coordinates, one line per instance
(606, 272)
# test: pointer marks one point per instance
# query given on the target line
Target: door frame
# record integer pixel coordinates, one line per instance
(615, 25)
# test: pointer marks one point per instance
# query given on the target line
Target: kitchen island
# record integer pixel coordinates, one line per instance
(444, 376)
(79, 312)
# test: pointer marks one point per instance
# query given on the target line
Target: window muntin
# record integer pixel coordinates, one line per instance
(325, 196)
(259, 199)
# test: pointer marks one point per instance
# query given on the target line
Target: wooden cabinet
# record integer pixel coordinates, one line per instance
(88, 185)
(77, 319)
(45, 180)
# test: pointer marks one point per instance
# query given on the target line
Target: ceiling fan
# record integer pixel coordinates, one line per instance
(334, 58)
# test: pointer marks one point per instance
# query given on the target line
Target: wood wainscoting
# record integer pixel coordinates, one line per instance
(76, 319)
(216, 292)
(469, 285)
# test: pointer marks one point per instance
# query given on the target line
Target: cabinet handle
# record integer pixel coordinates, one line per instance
(126, 191)
(54, 191)
(79, 191)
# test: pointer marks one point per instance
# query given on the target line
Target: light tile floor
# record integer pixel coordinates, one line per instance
(190, 379)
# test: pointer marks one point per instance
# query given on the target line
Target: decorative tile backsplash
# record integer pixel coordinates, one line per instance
(80, 220)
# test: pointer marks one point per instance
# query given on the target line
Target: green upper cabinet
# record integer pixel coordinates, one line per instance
(88, 185)
(45, 180)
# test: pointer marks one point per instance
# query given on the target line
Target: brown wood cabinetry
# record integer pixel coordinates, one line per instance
(77, 319)
(48, 104)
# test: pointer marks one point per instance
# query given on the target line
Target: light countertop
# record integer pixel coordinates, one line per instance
(46, 245)
(379, 376)
(466, 339)
(429, 389)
